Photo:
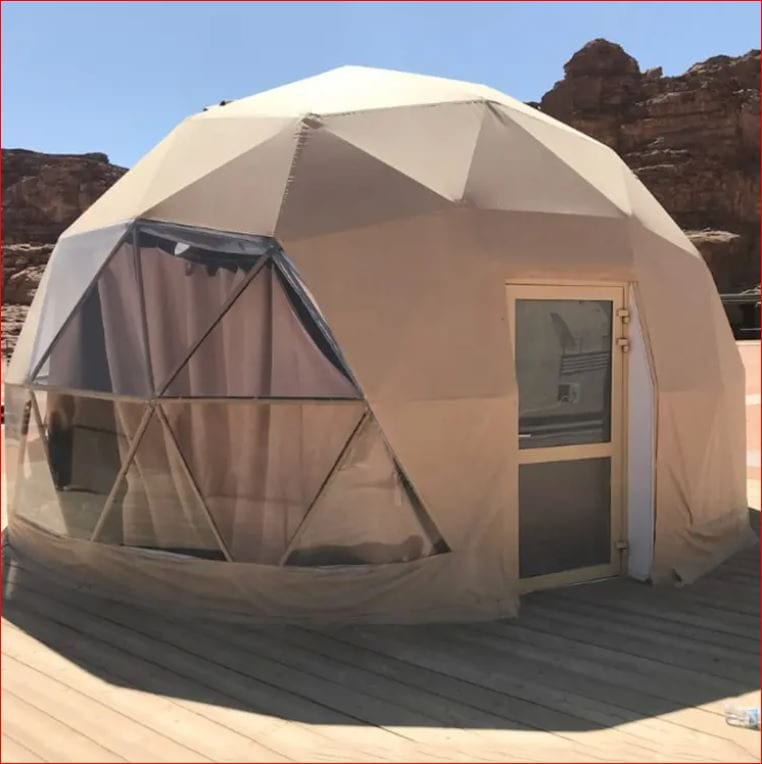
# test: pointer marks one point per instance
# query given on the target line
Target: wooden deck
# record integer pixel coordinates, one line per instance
(608, 671)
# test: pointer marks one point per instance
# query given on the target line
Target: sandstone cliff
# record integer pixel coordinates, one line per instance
(42, 195)
(693, 140)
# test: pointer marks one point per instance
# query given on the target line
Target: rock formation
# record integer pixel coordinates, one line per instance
(42, 195)
(692, 139)
(45, 193)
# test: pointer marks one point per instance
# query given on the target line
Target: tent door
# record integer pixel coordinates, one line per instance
(569, 349)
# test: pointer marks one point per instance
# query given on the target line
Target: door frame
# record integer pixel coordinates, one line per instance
(615, 449)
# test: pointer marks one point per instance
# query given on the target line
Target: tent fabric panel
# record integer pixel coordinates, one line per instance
(124, 200)
(234, 197)
(289, 449)
(193, 150)
(347, 89)
(73, 266)
(20, 366)
(511, 168)
(438, 147)
(367, 514)
(594, 162)
(400, 300)
(336, 186)
(102, 347)
(701, 507)
(455, 454)
(439, 588)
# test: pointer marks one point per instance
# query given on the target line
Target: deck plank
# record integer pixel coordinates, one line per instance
(303, 682)
(327, 728)
(188, 729)
(12, 751)
(534, 674)
(46, 736)
(103, 724)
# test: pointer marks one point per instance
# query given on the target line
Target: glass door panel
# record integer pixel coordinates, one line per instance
(569, 374)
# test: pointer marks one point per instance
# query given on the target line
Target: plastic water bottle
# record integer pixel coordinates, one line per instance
(738, 716)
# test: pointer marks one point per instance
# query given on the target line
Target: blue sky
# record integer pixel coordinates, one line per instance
(115, 77)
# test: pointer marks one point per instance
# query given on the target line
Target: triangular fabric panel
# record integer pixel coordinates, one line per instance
(289, 450)
(367, 513)
(261, 349)
(597, 164)
(350, 89)
(69, 469)
(156, 506)
(89, 251)
(204, 145)
(195, 148)
(438, 147)
(184, 294)
(244, 195)
(101, 347)
(124, 200)
(20, 366)
(336, 186)
(512, 170)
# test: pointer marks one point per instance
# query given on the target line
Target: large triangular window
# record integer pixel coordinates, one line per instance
(259, 466)
(156, 505)
(267, 345)
(368, 513)
(101, 347)
(188, 279)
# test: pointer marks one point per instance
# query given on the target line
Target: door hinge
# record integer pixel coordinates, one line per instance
(623, 344)
(624, 315)
(622, 546)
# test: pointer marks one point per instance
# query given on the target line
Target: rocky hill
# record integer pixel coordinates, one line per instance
(693, 140)
(42, 195)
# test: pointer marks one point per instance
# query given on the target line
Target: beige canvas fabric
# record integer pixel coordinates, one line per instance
(406, 203)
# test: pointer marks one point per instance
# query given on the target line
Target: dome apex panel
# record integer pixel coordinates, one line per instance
(194, 149)
(513, 170)
(244, 194)
(335, 186)
(437, 147)
(593, 161)
(351, 89)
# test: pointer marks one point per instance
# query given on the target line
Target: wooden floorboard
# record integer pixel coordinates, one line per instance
(609, 671)
(12, 750)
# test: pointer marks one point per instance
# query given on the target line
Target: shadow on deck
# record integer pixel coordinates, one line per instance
(583, 658)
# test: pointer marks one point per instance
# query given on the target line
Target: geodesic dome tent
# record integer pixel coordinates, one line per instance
(355, 349)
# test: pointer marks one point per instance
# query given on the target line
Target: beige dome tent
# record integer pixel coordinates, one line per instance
(375, 346)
